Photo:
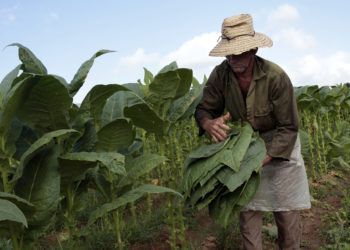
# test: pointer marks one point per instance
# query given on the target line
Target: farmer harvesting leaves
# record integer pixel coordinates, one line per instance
(258, 91)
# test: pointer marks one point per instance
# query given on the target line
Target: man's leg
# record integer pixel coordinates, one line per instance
(289, 229)
(250, 223)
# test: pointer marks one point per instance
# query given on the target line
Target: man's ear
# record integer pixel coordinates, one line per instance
(254, 51)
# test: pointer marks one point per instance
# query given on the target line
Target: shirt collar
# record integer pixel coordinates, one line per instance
(258, 72)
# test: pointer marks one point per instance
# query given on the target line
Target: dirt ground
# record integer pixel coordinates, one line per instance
(327, 195)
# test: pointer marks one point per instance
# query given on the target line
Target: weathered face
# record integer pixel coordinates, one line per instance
(239, 63)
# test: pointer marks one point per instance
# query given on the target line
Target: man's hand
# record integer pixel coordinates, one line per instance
(217, 128)
(267, 160)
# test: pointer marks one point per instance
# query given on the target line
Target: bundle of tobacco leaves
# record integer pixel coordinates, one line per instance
(225, 175)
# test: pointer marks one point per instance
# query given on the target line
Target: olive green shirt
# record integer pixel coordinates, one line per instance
(270, 106)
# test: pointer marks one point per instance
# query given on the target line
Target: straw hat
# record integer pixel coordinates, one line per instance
(238, 36)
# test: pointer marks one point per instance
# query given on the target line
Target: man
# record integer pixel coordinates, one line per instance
(253, 89)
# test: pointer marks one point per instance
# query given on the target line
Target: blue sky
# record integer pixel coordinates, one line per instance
(311, 38)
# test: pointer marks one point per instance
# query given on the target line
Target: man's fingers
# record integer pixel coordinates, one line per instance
(220, 135)
(224, 126)
(227, 117)
(213, 138)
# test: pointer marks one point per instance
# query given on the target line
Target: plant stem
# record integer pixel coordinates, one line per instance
(70, 217)
(14, 238)
(117, 226)
(14, 235)
(4, 176)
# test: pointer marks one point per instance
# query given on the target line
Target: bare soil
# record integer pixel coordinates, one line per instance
(205, 235)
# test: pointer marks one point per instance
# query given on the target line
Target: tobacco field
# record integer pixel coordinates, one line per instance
(108, 173)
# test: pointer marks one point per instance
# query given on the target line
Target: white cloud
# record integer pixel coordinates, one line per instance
(322, 70)
(195, 51)
(281, 23)
(191, 54)
(283, 14)
(194, 54)
(296, 38)
(139, 57)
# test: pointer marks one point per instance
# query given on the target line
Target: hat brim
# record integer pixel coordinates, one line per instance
(240, 45)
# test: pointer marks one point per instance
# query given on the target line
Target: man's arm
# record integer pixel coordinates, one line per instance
(286, 115)
(209, 110)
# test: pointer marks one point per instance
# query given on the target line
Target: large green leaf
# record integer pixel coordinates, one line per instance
(100, 183)
(207, 150)
(26, 207)
(6, 83)
(114, 107)
(95, 100)
(80, 76)
(26, 138)
(40, 185)
(74, 165)
(210, 197)
(14, 101)
(252, 161)
(224, 208)
(137, 88)
(148, 78)
(195, 172)
(129, 104)
(10, 138)
(10, 212)
(87, 141)
(47, 104)
(128, 197)
(166, 87)
(210, 174)
(238, 149)
(192, 108)
(30, 62)
(200, 168)
(114, 136)
(170, 67)
(184, 86)
(143, 116)
(14, 198)
(162, 92)
(143, 164)
(201, 191)
(38, 146)
(221, 209)
(249, 190)
(184, 107)
(140, 166)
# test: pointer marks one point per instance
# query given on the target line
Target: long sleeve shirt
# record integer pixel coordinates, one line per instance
(270, 106)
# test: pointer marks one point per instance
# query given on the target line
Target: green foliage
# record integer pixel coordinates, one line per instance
(325, 127)
(164, 99)
(30, 63)
(45, 112)
(339, 235)
(52, 149)
(127, 198)
(40, 185)
(227, 177)
(80, 76)
(11, 213)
